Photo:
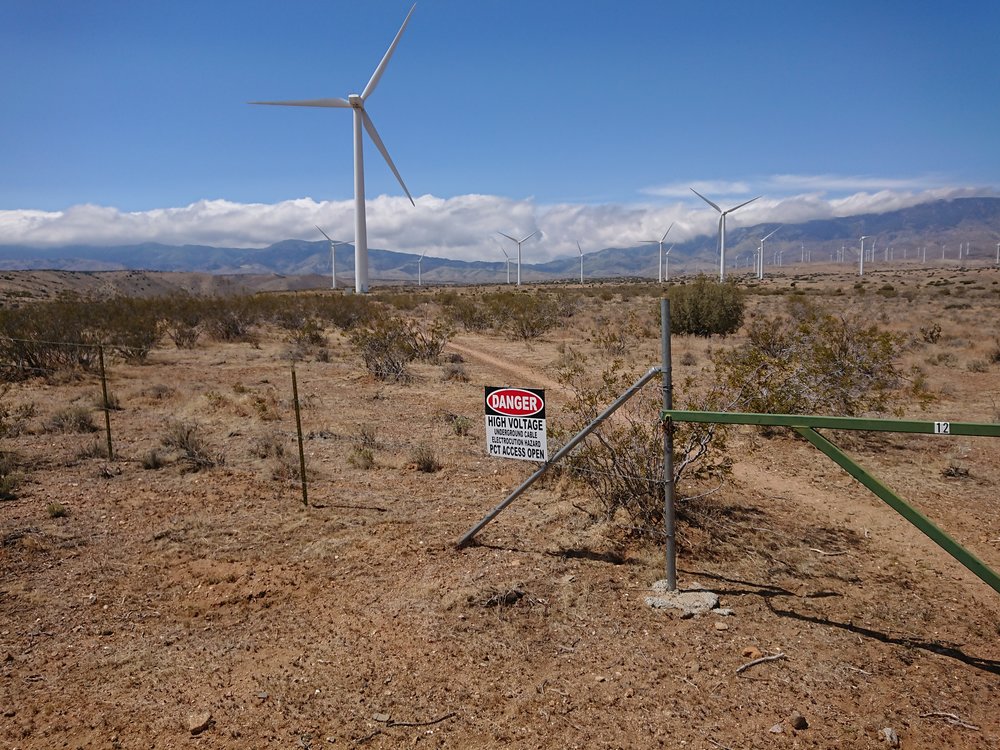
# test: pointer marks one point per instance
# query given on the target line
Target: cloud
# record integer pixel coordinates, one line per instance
(463, 227)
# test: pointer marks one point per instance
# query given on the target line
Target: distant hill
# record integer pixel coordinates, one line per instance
(946, 222)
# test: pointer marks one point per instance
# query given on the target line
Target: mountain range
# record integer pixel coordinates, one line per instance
(934, 225)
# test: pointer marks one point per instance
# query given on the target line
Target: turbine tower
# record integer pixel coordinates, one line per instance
(420, 261)
(361, 119)
(333, 257)
(581, 261)
(760, 253)
(722, 229)
(861, 256)
(519, 243)
(659, 268)
(666, 260)
(507, 257)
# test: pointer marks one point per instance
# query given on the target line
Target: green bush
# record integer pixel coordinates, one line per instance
(704, 307)
(808, 362)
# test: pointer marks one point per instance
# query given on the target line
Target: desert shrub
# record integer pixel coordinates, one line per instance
(615, 337)
(71, 419)
(94, 449)
(362, 458)
(472, 314)
(808, 361)
(43, 339)
(234, 319)
(460, 425)
(528, 316)
(424, 459)
(454, 372)
(367, 437)
(56, 510)
(181, 320)
(621, 462)
(10, 477)
(931, 334)
(186, 438)
(128, 327)
(342, 310)
(704, 307)
(152, 460)
(388, 343)
(977, 365)
(994, 355)
(13, 419)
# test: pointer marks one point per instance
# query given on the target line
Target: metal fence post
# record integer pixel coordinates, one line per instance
(298, 430)
(107, 404)
(667, 382)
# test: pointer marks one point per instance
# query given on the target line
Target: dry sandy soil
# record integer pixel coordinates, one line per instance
(176, 608)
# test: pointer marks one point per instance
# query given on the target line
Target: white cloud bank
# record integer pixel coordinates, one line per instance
(465, 227)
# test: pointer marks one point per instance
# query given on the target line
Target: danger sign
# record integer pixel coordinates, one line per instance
(515, 423)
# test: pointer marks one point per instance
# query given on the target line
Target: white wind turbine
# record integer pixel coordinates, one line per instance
(507, 257)
(519, 243)
(760, 253)
(333, 257)
(420, 261)
(581, 260)
(722, 229)
(361, 119)
(861, 256)
(659, 269)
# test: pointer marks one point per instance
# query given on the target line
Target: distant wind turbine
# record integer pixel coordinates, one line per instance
(361, 119)
(861, 257)
(519, 243)
(722, 229)
(659, 268)
(760, 252)
(666, 262)
(333, 257)
(581, 260)
(505, 256)
(420, 261)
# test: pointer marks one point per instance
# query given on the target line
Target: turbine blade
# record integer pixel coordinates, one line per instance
(742, 204)
(578, 247)
(668, 250)
(323, 233)
(667, 232)
(529, 236)
(507, 236)
(335, 102)
(706, 200)
(377, 75)
(775, 230)
(370, 127)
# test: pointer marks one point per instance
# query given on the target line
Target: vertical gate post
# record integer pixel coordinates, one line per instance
(667, 384)
(106, 402)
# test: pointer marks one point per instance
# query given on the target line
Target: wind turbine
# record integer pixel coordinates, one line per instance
(722, 229)
(333, 257)
(666, 262)
(361, 119)
(519, 243)
(861, 257)
(581, 261)
(420, 261)
(760, 256)
(659, 268)
(505, 256)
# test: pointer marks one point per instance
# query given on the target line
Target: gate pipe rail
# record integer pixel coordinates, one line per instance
(805, 424)
(564, 451)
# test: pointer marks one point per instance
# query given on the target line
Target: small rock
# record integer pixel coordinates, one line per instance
(721, 626)
(199, 722)
(776, 729)
(602, 678)
(723, 611)
(690, 603)
(381, 718)
(751, 653)
(798, 721)
(888, 734)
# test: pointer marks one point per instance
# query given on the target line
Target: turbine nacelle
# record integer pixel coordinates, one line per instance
(356, 101)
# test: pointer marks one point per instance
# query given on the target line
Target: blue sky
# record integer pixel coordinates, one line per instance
(128, 121)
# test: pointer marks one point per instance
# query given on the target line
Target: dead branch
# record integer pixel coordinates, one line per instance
(950, 718)
(827, 554)
(761, 660)
(438, 720)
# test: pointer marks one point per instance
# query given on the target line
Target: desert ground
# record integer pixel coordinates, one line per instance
(144, 603)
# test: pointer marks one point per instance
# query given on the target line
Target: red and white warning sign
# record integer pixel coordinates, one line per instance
(515, 423)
